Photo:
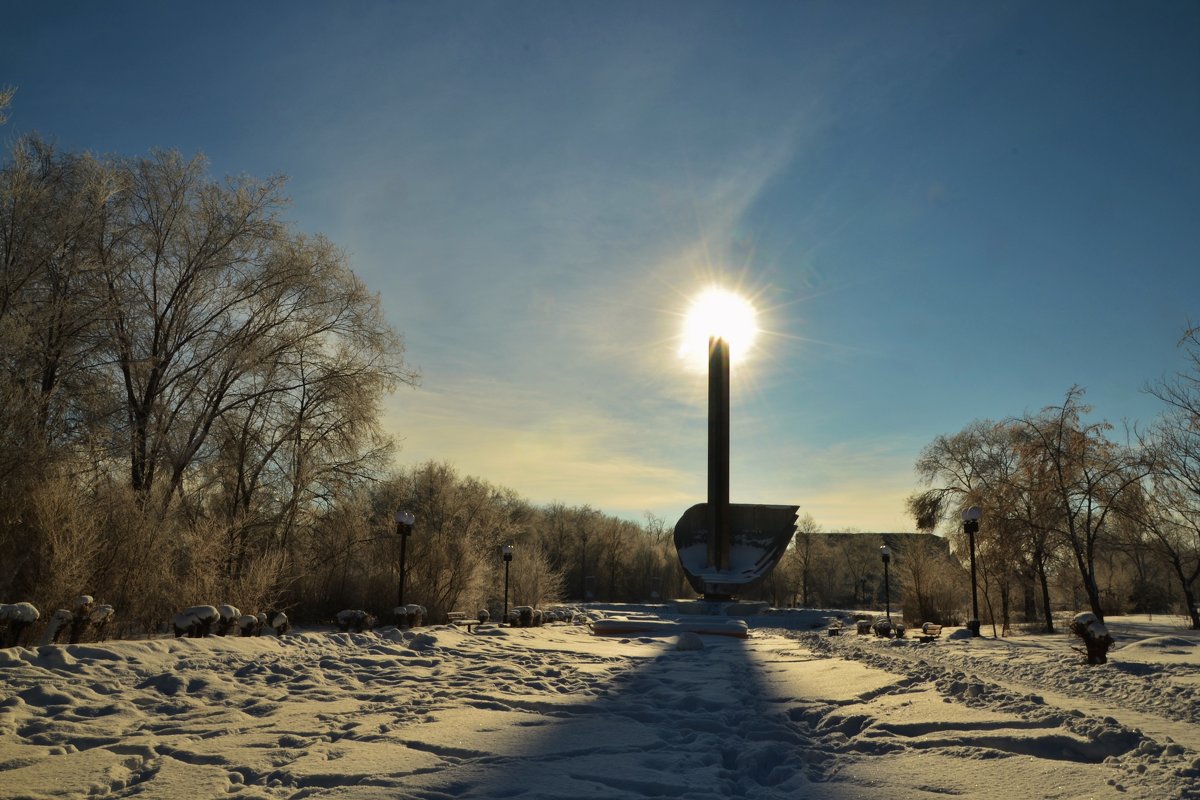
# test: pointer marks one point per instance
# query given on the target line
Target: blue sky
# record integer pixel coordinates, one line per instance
(945, 211)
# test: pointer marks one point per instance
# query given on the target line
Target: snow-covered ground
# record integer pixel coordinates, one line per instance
(556, 712)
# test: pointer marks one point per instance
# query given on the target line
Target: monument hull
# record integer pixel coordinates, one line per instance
(758, 537)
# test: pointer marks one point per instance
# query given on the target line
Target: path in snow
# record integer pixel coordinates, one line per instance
(1154, 696)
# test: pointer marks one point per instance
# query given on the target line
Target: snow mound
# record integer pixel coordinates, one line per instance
(1163, 643)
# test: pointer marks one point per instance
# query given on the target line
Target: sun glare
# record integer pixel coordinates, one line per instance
(718, 313)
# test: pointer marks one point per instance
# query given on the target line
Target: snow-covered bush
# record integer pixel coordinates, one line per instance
(99, 620)
(416, 615)
(229, 616)
(195, 622)
(56, 626)
(81, 617)
(249, 625)
(354, 619)
(277, 621)
(14, 619)
(1096, 639)
(483, 615)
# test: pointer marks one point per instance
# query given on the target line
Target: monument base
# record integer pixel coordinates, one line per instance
(719, 608)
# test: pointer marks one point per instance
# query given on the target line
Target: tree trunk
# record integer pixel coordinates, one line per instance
(1028, 598)
(1046, 609)
(1189, 597)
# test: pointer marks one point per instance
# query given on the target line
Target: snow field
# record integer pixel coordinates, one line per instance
(555, 712)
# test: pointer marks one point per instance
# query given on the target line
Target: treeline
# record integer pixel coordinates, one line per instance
(560, 553)
(189, 414)
(188, 390)
(844, 570)
(1074, 517)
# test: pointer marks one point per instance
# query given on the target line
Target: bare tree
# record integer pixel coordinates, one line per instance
(803, 553)
(159, 322)
(973, 467)
(6, 96)
(930, 580)
(1087, 476)
(1171, 512)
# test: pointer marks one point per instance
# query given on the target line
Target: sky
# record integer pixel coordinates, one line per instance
(942, 211)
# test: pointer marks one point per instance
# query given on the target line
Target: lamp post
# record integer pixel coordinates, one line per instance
(404, 524)
(970, 519)
(506, 551)
(886, 554)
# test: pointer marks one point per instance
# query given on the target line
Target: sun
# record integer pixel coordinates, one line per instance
(718, 313)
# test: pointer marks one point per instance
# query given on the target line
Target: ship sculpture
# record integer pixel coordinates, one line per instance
(726, 548)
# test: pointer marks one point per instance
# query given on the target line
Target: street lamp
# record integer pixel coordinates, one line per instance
(886, 554)
(970, 519)
(404, 524)
(506, 550)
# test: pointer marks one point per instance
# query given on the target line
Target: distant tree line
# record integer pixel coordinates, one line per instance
(1072, 516)
(560, 553)
(844, 570)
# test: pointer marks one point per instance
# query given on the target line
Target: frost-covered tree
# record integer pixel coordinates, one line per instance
(1171, 512)
(1088, 477)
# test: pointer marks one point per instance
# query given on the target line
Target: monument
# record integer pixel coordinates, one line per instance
(726, 548)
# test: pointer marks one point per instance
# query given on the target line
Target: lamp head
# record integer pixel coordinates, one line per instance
(885, 553)
(405, 518)
(507, 551)
(972, 514)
